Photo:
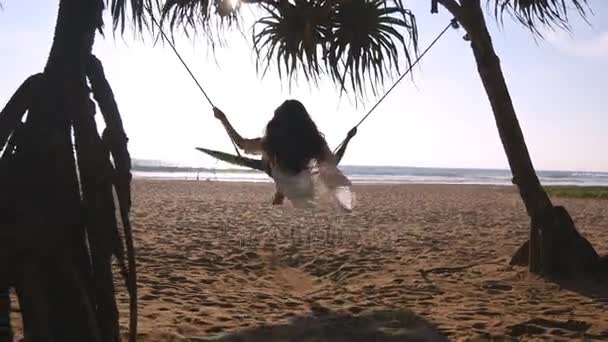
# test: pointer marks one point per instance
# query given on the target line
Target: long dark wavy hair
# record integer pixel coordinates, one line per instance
(292, 138)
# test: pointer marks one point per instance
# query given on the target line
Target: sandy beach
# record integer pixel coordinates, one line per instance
(216, 260)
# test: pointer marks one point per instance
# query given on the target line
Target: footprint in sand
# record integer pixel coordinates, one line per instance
(319, 310)
(479, 325)
(338, 301)
(148, 297)
(215, 329)
(557, 311)
(291, 304)
(496, 287)
(463, 317)
(538, 326)
(487, 313)
(355, 310)
(223, 318)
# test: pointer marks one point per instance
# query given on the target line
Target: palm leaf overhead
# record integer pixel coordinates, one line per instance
(347, 39)
(365, 38)
(135, 10)
(358, 38)
(535, 14)
(355, 42)
(195, 15)
(290, 36)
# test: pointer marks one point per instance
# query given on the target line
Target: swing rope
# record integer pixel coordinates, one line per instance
(453, 23)
(236, 148)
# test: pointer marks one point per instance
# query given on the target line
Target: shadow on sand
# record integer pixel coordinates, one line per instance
(593, 288)
(596, 289)
(376, 326)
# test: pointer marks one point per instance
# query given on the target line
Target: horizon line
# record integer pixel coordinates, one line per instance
(354, 165)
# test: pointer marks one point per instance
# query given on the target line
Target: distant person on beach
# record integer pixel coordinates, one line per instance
(297, 155)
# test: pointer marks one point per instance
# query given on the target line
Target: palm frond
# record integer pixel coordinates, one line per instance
(365, 40)
(535, 14)
(136, 10)
(189, 14)
(198, 15)
(358, 40)
(290, 36)
(354, 41)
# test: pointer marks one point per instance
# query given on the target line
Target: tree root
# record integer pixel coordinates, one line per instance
(564, 252)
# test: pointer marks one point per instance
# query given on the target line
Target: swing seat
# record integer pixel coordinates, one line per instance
(256, 164)
(343, 195)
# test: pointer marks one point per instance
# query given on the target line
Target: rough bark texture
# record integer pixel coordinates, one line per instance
(60, 243)
(555, 247)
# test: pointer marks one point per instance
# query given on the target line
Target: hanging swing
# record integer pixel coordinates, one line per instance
(256, 164)
(260, 164)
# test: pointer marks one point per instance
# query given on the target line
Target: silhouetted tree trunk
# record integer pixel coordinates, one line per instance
(59, 226)
(6, 333)
(115, 141)
(552, 232)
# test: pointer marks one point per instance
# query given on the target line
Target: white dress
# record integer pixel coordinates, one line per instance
(301, 188)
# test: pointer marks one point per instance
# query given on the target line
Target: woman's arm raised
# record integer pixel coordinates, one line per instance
(251, 146)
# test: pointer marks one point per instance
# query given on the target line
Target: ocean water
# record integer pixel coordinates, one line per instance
(391, 175)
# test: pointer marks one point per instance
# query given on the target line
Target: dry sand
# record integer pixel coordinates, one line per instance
(216, 260)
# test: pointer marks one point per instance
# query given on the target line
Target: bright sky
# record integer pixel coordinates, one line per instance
(442, 119)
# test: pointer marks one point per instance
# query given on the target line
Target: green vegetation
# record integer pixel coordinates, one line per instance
(598, 192)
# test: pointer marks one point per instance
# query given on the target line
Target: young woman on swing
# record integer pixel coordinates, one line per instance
(295, 151)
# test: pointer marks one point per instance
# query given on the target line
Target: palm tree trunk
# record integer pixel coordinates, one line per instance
(548, 226)
(16, 107)
(115, 140)
(537, 203)
(55, 289)
(535, 199)
(96, 184)
(6, 334)
(64, 285)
